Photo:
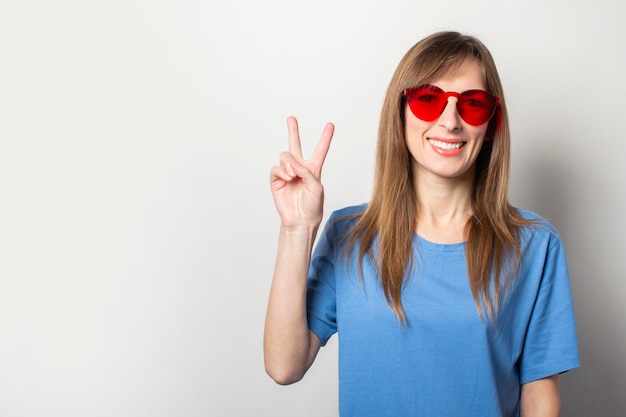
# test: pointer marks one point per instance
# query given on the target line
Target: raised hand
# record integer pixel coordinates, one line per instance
(296, 182)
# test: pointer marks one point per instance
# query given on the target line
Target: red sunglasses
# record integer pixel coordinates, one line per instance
(475, 107)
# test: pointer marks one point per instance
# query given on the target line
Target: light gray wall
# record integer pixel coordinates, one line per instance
(137, 230)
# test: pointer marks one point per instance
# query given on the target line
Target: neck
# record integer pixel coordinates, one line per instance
(445, 206)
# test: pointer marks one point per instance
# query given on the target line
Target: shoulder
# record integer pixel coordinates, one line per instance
(350, 211)
(346, 217)
(539, 230)
(342, 221)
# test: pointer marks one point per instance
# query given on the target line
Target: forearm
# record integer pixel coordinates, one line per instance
(287, 344)
(541, 398)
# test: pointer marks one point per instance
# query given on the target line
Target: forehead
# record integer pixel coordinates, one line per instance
(469, 74)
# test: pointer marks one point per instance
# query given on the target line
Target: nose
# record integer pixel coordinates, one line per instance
(450, 118)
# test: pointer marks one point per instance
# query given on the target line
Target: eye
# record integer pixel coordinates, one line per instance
(472, 102)
(426, 98)
(476, 99)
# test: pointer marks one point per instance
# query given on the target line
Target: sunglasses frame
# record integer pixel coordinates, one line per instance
(494, 103)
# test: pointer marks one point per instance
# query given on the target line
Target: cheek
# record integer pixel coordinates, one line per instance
(412, 125)
(478, 133)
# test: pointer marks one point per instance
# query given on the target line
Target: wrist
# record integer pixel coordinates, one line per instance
(299, 229)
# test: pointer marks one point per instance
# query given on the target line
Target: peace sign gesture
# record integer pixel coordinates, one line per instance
(296, 182)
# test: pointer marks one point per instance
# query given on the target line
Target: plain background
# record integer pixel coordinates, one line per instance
(137, 230)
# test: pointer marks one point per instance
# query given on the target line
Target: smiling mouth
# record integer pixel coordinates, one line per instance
(448, 146)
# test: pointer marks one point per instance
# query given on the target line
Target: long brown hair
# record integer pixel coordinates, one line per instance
(492, 247)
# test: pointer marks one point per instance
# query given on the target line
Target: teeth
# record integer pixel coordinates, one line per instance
(445, 145)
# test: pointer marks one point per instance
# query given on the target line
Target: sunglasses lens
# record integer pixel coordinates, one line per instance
(476, 107)
(428, 102)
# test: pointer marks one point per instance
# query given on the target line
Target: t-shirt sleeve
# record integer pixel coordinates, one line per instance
(551, 346)
(321, 293)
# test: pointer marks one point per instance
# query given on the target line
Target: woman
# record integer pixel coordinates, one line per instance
(447, 300)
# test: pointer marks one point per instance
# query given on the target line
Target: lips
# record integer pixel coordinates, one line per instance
(447, 145)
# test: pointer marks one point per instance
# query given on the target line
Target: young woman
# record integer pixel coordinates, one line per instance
(447, 300)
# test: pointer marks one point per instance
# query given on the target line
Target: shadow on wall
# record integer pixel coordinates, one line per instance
(571, 197)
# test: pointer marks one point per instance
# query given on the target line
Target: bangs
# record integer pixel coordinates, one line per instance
(443, 59)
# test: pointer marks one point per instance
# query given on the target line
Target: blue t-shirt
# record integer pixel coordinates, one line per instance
(447, 361)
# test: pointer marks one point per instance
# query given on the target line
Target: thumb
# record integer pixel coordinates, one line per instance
(303, 172)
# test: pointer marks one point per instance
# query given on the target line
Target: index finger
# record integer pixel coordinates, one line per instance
(321, 149)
